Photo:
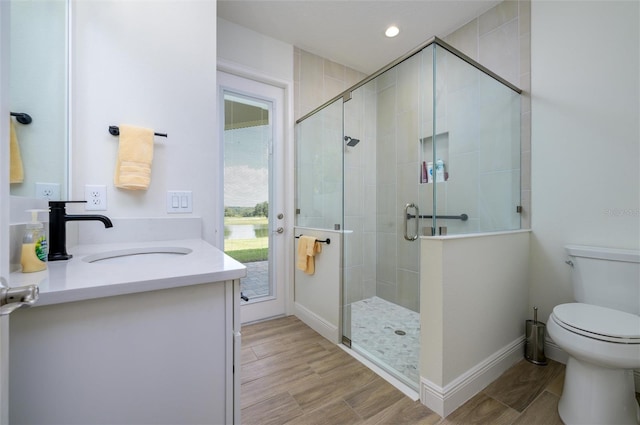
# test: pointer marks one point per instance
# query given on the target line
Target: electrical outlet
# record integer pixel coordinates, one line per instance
(96, 197)
(48, 191)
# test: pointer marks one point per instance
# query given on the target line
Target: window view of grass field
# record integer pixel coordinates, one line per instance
(246, 188)
(246, 238)
(247, 250)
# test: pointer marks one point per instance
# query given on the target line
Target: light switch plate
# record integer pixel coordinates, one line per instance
(179, 201)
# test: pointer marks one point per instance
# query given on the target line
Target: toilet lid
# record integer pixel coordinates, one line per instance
(599, 322)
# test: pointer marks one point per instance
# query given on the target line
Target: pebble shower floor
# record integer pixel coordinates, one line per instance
(374, 322)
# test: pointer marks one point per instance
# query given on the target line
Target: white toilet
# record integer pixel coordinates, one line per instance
(601, 334)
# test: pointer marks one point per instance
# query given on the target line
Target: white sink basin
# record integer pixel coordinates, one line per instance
(138, 255)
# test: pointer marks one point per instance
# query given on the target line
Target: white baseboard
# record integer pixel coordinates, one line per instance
(445, 400)
(317, 323)
(553, 352)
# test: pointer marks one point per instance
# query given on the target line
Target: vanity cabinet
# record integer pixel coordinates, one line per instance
(153, 357)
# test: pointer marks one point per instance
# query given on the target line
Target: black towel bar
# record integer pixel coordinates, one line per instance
(115, 131)
(327, 241)
(22, 117)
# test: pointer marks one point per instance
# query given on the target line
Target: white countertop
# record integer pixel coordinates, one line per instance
(76, 280)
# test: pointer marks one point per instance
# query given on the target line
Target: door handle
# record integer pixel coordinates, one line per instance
(13, 298)
(406, 221)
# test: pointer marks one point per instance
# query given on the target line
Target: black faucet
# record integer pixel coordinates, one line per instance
(58, 218)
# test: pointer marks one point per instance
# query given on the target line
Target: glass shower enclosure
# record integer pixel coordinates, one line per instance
(427, 146)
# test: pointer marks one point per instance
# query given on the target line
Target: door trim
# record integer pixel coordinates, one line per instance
(287, 163)
(4, 205)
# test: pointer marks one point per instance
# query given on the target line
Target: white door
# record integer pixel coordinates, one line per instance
(10, 300)
(252, 125)
(4, 370)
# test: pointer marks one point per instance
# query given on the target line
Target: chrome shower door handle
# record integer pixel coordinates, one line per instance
(406, 220)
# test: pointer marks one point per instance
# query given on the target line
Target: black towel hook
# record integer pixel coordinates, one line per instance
(22, 117)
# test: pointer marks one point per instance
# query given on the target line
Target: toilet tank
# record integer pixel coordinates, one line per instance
(606, 277)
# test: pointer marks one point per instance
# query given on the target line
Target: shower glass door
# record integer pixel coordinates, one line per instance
(474, 145)
(381, 278)
(429, 147)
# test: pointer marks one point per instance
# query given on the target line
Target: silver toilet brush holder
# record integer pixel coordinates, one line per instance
(534, 340)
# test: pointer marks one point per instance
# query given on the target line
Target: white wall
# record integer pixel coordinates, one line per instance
(150, 64)
(247, 48)
(4, 206)
(4, 149)
(585, 136)
(318, 296)
(473, 316)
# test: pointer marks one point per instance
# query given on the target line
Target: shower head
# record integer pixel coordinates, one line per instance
(351, 142)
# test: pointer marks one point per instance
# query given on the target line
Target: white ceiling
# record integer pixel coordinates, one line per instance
(351, 32)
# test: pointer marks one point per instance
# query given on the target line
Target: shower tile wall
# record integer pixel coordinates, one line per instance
(360, 195)
(397, 173)
(317, 80)
(500, 39)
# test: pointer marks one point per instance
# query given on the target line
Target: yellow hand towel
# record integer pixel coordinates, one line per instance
(135, 153)
(16, 170)
(308, 247)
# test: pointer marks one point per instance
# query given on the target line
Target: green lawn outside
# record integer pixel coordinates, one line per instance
(249, 255)
(247, 250)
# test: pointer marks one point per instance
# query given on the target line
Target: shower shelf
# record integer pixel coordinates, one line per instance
(441, 152)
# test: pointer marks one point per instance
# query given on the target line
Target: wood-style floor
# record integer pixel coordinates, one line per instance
(292, 375)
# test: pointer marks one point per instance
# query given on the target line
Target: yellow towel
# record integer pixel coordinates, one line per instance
(135, 153)
(308, 247)
(16, 171)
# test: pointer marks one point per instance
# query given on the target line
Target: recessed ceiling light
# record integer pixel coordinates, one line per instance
(392, 31)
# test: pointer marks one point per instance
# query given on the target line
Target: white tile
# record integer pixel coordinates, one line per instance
(386, 111)
(463, 184)
(408, 80)
(387, 253)
(408, 251)
(374, 322)
(409, 289)
(408, 137)
(497, 16)
(334, 70)
(500, 51)
(465, 39)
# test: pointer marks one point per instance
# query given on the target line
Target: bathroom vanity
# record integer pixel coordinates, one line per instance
(146, 333)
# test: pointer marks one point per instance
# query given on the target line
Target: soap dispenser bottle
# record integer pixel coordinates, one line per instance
(34, 245)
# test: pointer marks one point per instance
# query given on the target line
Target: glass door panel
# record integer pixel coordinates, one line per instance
(247, 138)
(253, 191)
